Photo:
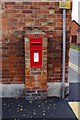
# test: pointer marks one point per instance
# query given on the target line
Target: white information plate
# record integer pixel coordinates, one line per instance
(36, 57)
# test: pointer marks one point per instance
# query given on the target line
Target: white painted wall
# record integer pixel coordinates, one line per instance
(76, 11)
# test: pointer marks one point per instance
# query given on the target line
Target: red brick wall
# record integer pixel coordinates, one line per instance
(12, 59)
(78, 38)
(44, 15)
(74, 28)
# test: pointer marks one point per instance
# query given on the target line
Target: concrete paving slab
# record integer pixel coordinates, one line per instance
(75, 106)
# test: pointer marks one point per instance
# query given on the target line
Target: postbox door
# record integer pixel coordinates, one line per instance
(36, 58)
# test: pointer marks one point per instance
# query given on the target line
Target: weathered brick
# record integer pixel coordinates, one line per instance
(9, 3)
(27, 11)
(43, 3)
(51, 12)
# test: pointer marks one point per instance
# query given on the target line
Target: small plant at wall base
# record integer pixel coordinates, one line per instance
(75, 47)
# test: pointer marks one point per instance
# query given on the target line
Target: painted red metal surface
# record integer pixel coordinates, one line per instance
(36, 52)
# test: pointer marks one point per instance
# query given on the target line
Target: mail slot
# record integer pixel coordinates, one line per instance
(36, 52)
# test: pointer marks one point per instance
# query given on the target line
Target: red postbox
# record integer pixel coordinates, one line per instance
(36, 52)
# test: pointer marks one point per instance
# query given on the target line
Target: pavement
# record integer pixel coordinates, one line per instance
(50, 108)
(73, 76)
(75, 57)
(74, 66)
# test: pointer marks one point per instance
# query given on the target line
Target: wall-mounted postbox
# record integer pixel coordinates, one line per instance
(36, 52)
